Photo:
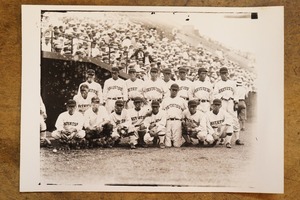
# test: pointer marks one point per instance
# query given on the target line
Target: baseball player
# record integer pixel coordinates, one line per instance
(83, 100)
(194, 124)
(241, 111)
(97, 125)
(114, 89)
(173, 106)
(137, 115)
(225, 90)
(95, 89)
(167, 81)
(134, 87)
(220, 123)
(202, 91)
(122, 125)
(154, 88)
(69, 126)
(184, 84)
(156, 125)
(43, 126)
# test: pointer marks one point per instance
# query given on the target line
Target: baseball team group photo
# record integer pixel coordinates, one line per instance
(144, 99)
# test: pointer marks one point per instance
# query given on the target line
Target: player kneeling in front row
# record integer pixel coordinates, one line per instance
(122, 125)
(156, 126)
(194, 126)
(220, 123)
(97, 125)
(69, 126)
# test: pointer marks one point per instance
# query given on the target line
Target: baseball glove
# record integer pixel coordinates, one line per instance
(153, 129)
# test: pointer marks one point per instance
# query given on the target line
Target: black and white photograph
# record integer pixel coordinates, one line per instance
(152, 99)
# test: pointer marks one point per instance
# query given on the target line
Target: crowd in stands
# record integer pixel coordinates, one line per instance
(118, 41)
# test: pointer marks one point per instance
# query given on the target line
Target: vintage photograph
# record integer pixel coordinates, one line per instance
(140, 98)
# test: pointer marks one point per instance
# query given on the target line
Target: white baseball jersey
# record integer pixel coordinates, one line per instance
(184, 88)
(134, 88)
(137, 117)
(225, 89)
(217, 120)
(95, 119)
(241, 92)
(115, 89)
(159, 119)
(202, 90)
(122, 119)
(167, 87)
(95, 89)
(65, 121)
(198, 118)
(153, 89)
(174, 107)
(83, 104)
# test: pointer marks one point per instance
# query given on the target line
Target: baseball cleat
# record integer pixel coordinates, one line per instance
(222, 141)
(238, 142)
(162, 145)
(132, 146)
(228, 145)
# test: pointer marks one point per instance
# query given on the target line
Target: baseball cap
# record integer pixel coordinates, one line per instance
(167, 71)
(137, 99)
(174, 86)
(201, 69)
(115, 69)
(91, 72)
(153, 69)
(131, 70)
(71, 103)
(119, 103)
(155, 104)
(182, 69)
(192, 103)
(223, 70)
(217, 102)
(95, 100)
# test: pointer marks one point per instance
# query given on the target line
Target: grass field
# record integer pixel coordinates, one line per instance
(185, 166)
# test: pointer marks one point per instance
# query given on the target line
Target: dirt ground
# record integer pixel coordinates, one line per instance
(185, 166)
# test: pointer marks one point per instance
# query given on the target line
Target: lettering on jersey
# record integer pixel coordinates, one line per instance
(70, 123)
(202, 88)
(173, 106)
(115, 87)
(93, 91)
(120, 121)
(132, 89)
(137, 118)
(83, 106)
(184, 88)
(153, 89)
(225, 88)
(215, 124)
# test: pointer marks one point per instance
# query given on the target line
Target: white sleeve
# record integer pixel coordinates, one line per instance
(100, 94)
(105, 91)
(60, 123)
(80, 122)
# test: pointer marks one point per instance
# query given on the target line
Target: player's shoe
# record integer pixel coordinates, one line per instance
(187, 144)
(242, 129)
(228, 145)
(238, 142)
(144, 145)
(132, 146)
(221, 141)
(162, 145)
(201, 143)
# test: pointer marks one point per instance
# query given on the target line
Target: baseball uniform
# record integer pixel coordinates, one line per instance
(82, 104)
(202, 92)
(135, 89)
(173, 107)
(95, 89)
(66, 122)
(114, 90)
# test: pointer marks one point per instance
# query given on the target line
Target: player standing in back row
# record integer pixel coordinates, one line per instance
(134, 87)
(184, 84)
(202, 91)
(95, 89)
(225, 90)
(114, 89)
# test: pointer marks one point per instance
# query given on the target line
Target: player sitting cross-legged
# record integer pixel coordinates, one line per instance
(97, 125)
(69, 127)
